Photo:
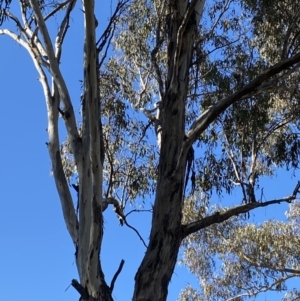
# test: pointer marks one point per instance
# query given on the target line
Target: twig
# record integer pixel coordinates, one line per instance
(136, 231)
(138, 210)
(119, 211)
(112, 284)
(56, 9)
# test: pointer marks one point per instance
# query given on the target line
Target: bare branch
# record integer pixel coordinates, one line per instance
(15, 37)
(53, 145)
(63, 28)
(219, 217)
(121, 216)
(112, 285)
(18, 24)
(59, 7)
(137, 232)
(225, 8)
(69, 213)
(27, 26)
(110, 161)
(139, 210)
(36, 47)
(80, 289)
(234, 165)
(107, 34)
(70, 120)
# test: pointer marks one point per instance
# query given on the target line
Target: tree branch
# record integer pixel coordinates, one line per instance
(219, 217)
(70, 120)
(265, 266)
(63, 28)
(208, 116)
(69, 213)
(53, 145)
(112, 284)
(195, 6)
(80, 289)
(137, 232)
(121, 216)
(58, 8)
(110, 29)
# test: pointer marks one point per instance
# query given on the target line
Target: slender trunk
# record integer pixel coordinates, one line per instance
(92, 283)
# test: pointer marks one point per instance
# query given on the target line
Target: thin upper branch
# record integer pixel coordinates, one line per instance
(264, 288)
(59, 7)
(219, 217)
(63, 28)
(107, 35)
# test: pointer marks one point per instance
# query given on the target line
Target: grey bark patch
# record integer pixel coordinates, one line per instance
(92, 254)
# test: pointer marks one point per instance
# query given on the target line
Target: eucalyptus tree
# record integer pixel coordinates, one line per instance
(218, 83)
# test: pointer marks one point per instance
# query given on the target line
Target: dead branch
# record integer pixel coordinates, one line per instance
(137, 232)
(63, 28)
(80, 289)
(59, 7)
(122, 218)
(108, 33)
(116, 275)
(139, 210)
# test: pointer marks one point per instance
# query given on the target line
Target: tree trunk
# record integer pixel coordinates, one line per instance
(90, 175)
(156, 269)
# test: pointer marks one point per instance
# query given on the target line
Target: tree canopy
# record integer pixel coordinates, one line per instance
(181, 101)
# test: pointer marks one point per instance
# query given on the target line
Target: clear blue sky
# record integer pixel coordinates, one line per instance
(36, 254)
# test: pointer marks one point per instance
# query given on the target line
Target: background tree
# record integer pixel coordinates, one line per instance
(218, 83)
